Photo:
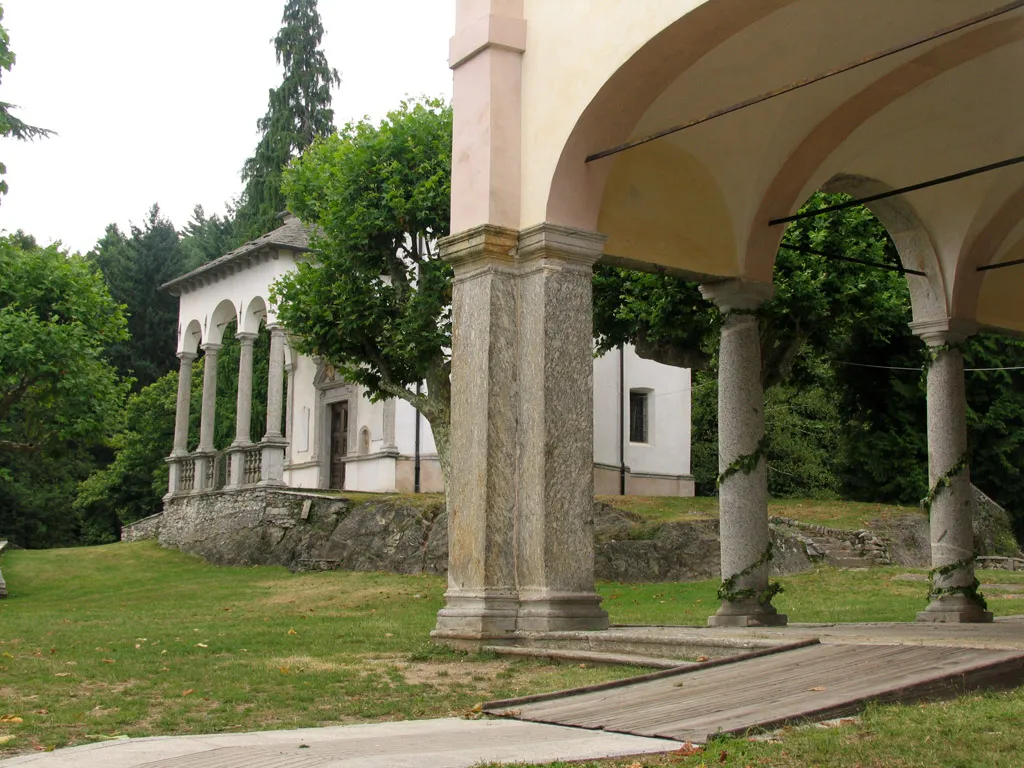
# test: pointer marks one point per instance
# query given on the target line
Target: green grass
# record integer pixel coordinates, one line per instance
(133, 639)
(845, 515)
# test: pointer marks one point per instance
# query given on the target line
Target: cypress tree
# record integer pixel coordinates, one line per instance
(299, 111)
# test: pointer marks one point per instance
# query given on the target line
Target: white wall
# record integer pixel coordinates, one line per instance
(667, 451)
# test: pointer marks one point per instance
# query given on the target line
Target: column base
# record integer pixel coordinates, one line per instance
(474, 616)
(747, 613)
(955, 609)
(561, 612)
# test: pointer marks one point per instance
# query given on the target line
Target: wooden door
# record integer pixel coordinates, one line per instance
(339, 443)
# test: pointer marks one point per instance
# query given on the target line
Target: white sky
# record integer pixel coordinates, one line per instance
(156, 101)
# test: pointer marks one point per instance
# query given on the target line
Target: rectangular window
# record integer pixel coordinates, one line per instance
(303, 441)
(638, 417)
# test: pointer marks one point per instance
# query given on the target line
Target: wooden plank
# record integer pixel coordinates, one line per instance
(765, 691)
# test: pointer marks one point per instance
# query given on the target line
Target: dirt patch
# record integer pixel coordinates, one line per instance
(306, 664)
(442, 674)
(322, 594)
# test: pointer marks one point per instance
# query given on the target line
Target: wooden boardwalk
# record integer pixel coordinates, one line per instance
(766, 689)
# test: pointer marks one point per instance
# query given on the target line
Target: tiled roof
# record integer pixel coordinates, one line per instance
(293, 235)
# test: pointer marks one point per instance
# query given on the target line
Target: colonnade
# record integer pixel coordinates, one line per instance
(248, 463)
(521, 508)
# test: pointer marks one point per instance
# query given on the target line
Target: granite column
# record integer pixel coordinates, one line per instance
(950, 499)
(273, 440)
(743, 476)
(181, 418)
(206, 451)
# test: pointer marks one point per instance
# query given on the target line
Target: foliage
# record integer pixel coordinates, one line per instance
(59, 396)
(9, 124)
(206, 238)
(135, 267)
(299, 112)
(374, 301)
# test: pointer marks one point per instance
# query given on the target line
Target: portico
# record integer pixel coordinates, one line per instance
(579, 137)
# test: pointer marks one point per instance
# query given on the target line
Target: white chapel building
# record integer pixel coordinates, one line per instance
(332, 436)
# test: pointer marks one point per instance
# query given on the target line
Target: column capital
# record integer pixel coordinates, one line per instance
(737, 293)
(246, 337)
(478, 248)
(944, 330)
(276, 329)
(211, 348)
(187, 357)
(547, 241)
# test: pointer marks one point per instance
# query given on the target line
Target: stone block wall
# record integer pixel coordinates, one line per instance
(142, 530)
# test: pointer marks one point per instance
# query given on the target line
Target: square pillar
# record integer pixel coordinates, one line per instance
(481, 601)
(555, 532)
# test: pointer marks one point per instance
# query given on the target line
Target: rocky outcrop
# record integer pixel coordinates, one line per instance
(304, 530)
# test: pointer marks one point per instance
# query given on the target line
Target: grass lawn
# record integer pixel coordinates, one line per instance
(133, 639)
(845, 515)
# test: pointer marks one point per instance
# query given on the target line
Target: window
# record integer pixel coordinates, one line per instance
(638, 416)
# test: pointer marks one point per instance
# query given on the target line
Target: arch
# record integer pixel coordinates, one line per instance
(791, 183)
(192, 337)
(254, 313)
(577, 188)
(223, 315)
(911, 237)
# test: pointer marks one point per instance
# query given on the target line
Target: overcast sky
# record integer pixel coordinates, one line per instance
(156, 101)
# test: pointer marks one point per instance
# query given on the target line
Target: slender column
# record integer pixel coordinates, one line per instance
(555, 536)
(951, 505)
(209, 413)
(181, 419)
(389, 425)
(289, 406)
(273, 440)
(275, 383)
(181, 413)
(743, 495)
(481, 600)
(243, 421)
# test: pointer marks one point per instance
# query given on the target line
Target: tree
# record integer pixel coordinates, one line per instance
(135, 267)
(9, 124)
(374, 300)
(59, 396)
(299, 112)
(206, 238)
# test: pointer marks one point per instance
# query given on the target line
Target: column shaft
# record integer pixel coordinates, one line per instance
(275, 383)
(555, 542)
(243, 420)
(183, 405)
(743, 495)
(209, 413)
(952, 506)
(481, 600)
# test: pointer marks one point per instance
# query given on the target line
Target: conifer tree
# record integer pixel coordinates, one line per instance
(299, 111)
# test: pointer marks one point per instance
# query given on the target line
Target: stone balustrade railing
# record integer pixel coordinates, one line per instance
(236, 467)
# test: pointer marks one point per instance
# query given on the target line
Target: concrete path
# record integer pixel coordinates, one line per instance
(448, 743)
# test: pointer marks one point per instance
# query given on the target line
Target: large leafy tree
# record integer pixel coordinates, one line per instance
(9, 124)
(59, 396)
(135, 266)
(374, 301)
(299, 112)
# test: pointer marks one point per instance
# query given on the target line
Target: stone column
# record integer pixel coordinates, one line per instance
(555, 531)
(205, 452)
(181, 418)
(951, 498)
(743, 495)
(390, 407)
(243, 420)
(481, 601)
(273, 440)
(289, 406)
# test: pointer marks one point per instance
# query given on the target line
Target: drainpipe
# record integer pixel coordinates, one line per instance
(416, 450)
(622, 421)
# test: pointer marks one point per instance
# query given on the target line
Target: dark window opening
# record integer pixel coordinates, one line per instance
(638, 417)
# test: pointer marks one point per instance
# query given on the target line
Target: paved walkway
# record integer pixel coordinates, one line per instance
(448, 743)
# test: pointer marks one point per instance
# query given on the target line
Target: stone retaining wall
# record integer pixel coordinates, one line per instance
(141, 530)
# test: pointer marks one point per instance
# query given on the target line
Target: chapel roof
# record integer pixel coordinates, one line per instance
(293, 235)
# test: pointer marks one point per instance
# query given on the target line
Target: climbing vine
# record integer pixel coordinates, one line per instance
(728, 592)
(745, 464)
(932, 355)
(945, 481)
(970, 592)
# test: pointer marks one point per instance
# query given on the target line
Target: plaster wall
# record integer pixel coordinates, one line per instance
(239, 289)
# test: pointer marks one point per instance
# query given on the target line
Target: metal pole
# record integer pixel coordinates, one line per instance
(622, 421)
(416, 450)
